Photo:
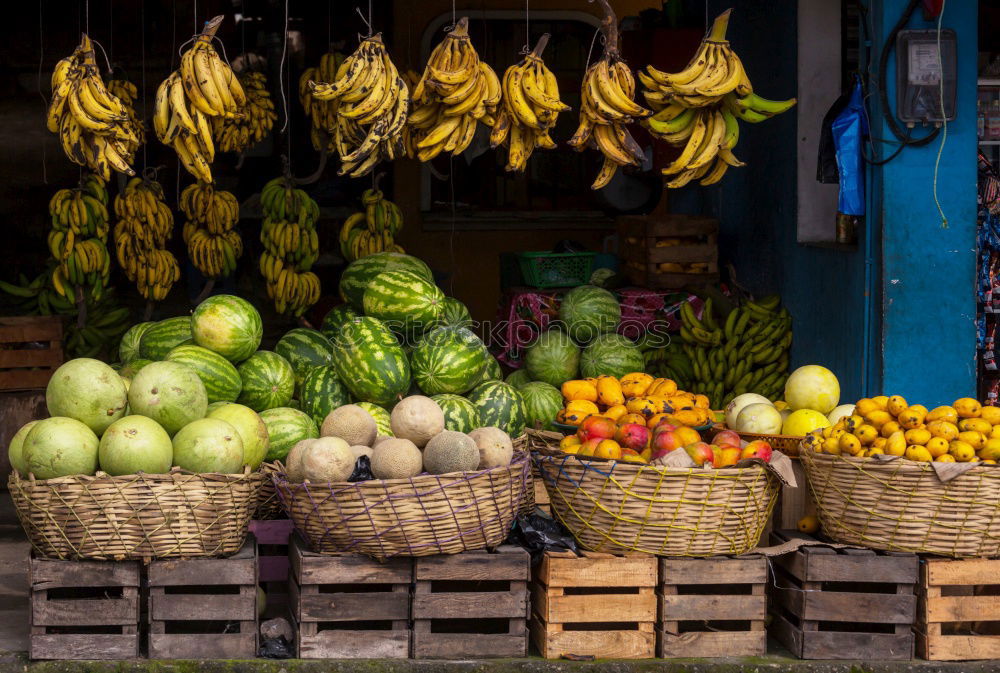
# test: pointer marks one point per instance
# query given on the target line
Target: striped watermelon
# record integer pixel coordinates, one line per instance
(285, 427)
(448, 360)
(541, 404)
(228, 325)
(359, 274)
(159, 338)
(336, 317)
(499, 405)
(403, 298)
(222, 381)
(370, 361)
(128, 348)
(553, 358)
(130, 369)
(492, 371)
(381, 416)
(588, 311)
(460, 414)
(455, 313)
(268, 381)
(321, 392)
(304, 349)
(518, 378)
(611, 355)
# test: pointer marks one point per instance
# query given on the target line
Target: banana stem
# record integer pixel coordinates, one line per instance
(211, 26)
(609, 26)
(719, 27)
(543, 42)
(147, 315)
(81, 307)
(209, 286)
(461, 28)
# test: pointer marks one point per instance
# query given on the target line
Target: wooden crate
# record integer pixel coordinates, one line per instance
(348, 606)
(471, 605)
(272, 563)
(204, 608)
(712, 607)
(958, 609)
(648, 241)
(594, 604)
(794, 502)
(84, 609)
(831, 603)
(30, 350)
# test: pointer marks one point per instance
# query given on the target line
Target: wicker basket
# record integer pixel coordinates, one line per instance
(613, 506)
(136, 516)
(421, 516)
(901, 505)
(268, 502)
(787, 444)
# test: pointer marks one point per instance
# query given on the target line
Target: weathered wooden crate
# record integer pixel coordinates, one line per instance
(348, 606)
(471, 605)
(712, 607)
(958, 609)
(831, 603)
(30, 351)
(594, 604)
(84, 609)
(652, 244)
(204, 608)
(273, 536)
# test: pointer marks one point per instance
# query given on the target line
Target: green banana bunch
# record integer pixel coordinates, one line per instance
(372, 230)
(291, 246)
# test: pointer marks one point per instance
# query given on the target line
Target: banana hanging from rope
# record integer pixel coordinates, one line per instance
(127, 93)
(291, 246)
(77, 240)
(142, 232)
(236, 134)
(213, 243)
(322, 113)
(372, 230)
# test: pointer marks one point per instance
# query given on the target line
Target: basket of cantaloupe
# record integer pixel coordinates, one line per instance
(424, 490)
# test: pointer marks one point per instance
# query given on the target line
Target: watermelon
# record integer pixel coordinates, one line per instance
(552, 358)
(304, 349)
(588, 311)
(359, 274)
(541, 404)
(222, 381)
(518, 378)
(268, 381)
(322, 392)
(455, 313)
(403, 298)
(336, 317)
(448, 360)
(370, 361)
(460, 414)
(228, 325)
(131, 368)
(128, 348)
(286, 427)
(611, 355)
(499, 405)
(493, 370)
(381, 416)
(160, 338)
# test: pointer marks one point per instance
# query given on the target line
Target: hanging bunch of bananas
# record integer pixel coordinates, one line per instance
(699, 108)
(235, 134)
(78, 238)
(322, 113)
(372, 102)
(144, 226)
(455, 92)
(372, 230)
(94, 126)
(529, 110)
(127, 93)
(291, 246)
(202, 88)
(209, 233)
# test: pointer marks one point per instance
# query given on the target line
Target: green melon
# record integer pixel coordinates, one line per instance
(499, 405)
(128, 348)
(611, 355)
(359, 274)
(59, 447)
(89, 391)
(209, 445)
(403, 298)
(383, 421)
(130, 369)
(250, 427)
(448, 360)
(552, 358)
(304, 349)
(170, 393)
(135, 444)
(222, 381)
(460, 414)
(162, 337)
(321, 392)
(541, 404)
(335, 318)
(228, 325)
(268, 381)
(286, 427)
(588, 311)
(518, 378)
(370, 361)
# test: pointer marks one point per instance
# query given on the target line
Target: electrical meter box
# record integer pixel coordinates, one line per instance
(919, 72)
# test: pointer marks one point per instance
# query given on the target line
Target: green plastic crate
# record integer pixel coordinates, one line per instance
(556, 269)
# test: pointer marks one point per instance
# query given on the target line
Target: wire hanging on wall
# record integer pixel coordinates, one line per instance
(45, 100)
(944, 117)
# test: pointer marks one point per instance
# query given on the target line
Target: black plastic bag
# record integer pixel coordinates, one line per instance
(362, 470)
(538, 533)
(275, 648)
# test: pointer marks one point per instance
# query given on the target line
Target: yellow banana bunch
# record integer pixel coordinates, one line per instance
(322, 113)
(202, 88)
(291, 246)
(127, 93)
(94, 126)
(455, 92)
(699, 108)
(235, 134)
(209, 233)
(372, 230)
(373, 104)
(78, 237)
(530, 107)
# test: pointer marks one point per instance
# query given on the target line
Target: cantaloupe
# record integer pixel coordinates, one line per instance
(352, 424)
(417, 418)
(495, 447)
(396, 459)
(293, 461)
(451, 451)
(328, 459)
